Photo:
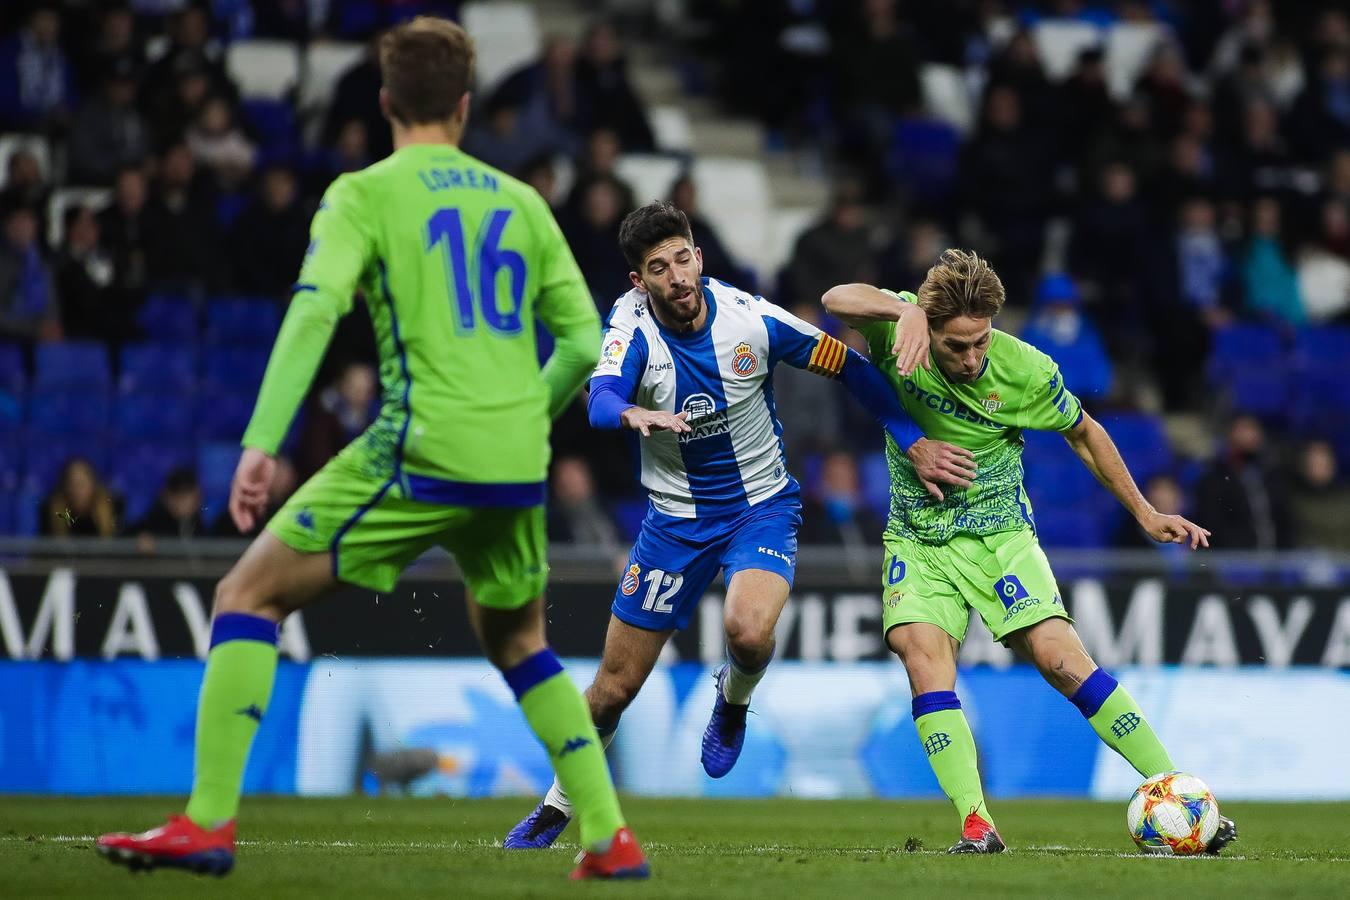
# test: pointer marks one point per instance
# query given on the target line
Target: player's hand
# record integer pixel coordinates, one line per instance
(248, 491)
(645, 421)
(911, 341)
(939, 461)
(1174, 530)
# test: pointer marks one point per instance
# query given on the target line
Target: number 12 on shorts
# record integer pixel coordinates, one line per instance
(661, 586)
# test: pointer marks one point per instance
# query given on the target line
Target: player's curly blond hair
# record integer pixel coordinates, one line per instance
(961, 284)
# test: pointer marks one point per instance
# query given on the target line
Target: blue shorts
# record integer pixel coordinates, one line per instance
(674, 560)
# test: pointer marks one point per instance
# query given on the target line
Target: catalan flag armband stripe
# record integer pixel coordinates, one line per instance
(828, 357)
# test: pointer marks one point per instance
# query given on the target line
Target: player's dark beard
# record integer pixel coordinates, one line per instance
(678, 308)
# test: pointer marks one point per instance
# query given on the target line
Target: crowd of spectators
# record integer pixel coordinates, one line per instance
(1130, 229)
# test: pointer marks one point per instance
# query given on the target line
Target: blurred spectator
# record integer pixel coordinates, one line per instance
(29, 307)
(540, 174)
(1321, 117)
(1005, 171)
(181, 238)
(905, 264)
(37, 84)
(1188, 172)
(1323, 270)
(533, 112)
(1165, 493)
(114, 44)
(177, 512)
(837, 514)
(808, 406)
(177, 104)
(218, 143)
(357, 97)
(877, 60)
(1233, 92)
(108, 132)
(593, 234)
(1320, 500)
(190, 50)
(80, 506)
(122, 229)
(24, 185)
(91, 308)
(1059, 328)
(336, 415)
(575, 514)
(1260, 161)
(1195, 298)
(1113, 247)
(836, 250)
(1086, 108)
(605, 99)
(349, 153)
(270, 236)
(717, 262)
(1163, 85)
(284, 483)
(599, 161)
(1268, 279)
(1019, 67)
(1238, 498)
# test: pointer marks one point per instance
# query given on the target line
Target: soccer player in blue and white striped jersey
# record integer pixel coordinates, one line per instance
(687, 362)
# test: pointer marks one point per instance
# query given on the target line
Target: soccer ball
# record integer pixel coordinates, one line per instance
(1173, 814)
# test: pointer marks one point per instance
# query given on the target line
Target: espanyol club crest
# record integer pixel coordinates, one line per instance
(993, 403)
(628, 587)
(745, 362)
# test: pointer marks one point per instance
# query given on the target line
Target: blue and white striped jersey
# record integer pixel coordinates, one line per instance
(721, 376)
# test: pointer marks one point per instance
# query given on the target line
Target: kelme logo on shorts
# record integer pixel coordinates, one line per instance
(936, 742)
(628, 587)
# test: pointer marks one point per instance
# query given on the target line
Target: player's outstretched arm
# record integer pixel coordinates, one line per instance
(1098, 452)
(861, 305)
(565, 307)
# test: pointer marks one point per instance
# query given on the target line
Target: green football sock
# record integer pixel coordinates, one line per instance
(1116, 718)
(559, 717)
(235, 691)
(950, 746)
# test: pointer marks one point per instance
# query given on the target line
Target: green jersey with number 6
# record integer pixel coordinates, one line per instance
(456, 261)
(1018, 388)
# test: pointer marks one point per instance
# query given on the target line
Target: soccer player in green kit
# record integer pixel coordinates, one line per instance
(971, 385)
(457, 261)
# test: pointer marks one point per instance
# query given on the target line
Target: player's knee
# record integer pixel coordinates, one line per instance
(238, 594)
(610, 694)
(749, 640)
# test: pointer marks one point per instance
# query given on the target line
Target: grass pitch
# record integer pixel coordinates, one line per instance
(788, 849)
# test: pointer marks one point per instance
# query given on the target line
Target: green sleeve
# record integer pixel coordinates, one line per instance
(340, 250)
(565, 307)
(1051, 406)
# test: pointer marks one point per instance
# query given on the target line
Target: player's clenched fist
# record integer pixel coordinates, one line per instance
(645, 421)
(939, 461)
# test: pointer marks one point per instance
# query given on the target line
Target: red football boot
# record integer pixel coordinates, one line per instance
(180, 843)
(977, 836)
(624, 859)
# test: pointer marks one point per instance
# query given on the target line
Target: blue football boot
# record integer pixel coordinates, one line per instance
(538, 830)
(725, 734)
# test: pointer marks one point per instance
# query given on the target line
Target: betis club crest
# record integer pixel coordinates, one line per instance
(993, 403)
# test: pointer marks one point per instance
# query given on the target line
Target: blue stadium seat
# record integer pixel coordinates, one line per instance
(79, 364)
(273, 121)
(1263, 392)
(139, 469)
(25, 511)
(215, 471)
(167, 318)
(1244, 346)
(1142, 441)
(242, 322)
(234, 369)
(13, 375)
(629, 515)
(1325, 347)
(1054, 473)
(223, 414)
(1081, 526)
(165, 415)
(68, 410)
(875, 478)
(45, 454)
(12, 404)
(152, 366)
(923, 157)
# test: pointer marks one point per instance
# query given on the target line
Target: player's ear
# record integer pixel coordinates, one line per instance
(462, 109)
(698, 257)
(384, 105)
(637, 281)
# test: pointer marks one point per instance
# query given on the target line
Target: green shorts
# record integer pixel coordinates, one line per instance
(373, 532)
(1004, 577)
